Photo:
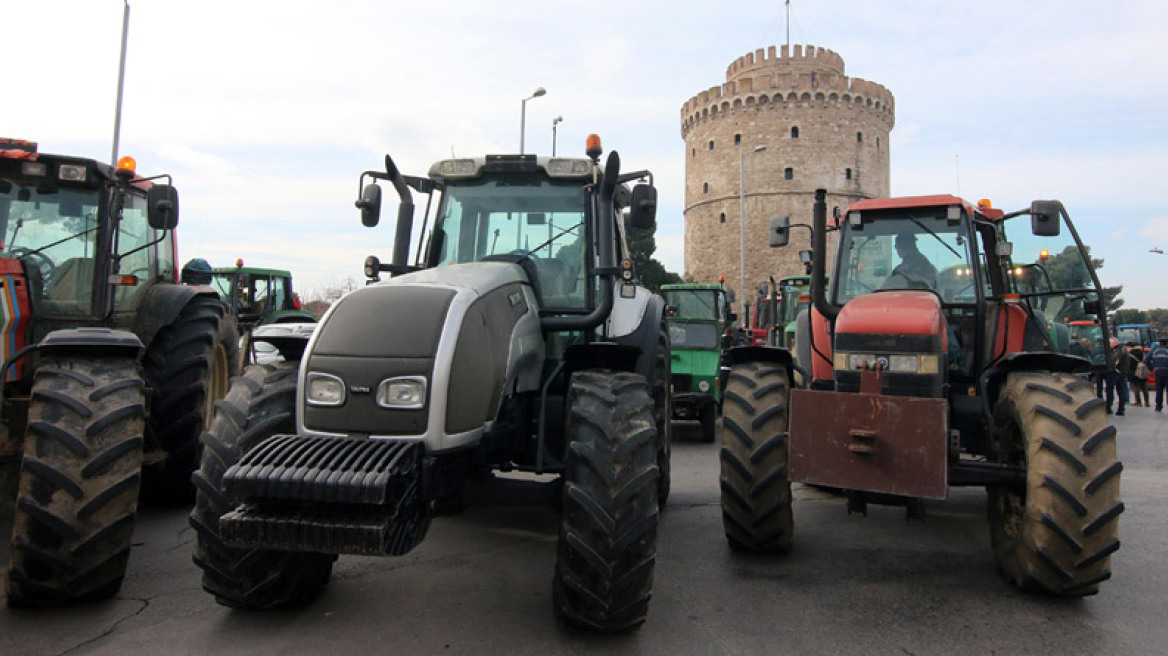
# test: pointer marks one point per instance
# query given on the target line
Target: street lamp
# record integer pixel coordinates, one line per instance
(742, 221)
(539, 91)
(555, 121)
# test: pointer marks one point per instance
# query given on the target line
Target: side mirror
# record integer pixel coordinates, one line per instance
(370, 205)
(162, 207)
(729, 295)
(733, 316)
(1044, 217)
(643, 208)
(1093, 306)
(780, 231)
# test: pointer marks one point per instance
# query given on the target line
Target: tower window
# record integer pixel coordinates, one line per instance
(794, 131)
(705, 187)
(859, 137)
(711, 145)
(722, 218)
(694, 152)
(847, 174)
(737, 139)
(788, 173)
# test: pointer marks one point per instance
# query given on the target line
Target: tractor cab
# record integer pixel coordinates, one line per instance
(80, 241)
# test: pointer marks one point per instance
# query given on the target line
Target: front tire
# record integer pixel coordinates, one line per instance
(1057, 534)
(608, 532)
(187, 365)
(78, 496)
(756, 493)
(261, 403)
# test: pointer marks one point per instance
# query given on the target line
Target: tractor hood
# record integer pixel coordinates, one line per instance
(426, 355)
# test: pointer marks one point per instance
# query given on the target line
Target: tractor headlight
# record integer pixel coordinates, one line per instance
(405, 393)
(704, 386)
(324, 389)
(904, 363)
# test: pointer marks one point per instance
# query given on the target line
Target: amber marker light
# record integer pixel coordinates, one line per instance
(592, 146)
(1043, 254)
(985, 204)
(127, 163)
(239, 263)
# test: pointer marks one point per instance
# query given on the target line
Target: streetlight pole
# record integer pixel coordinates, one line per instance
(539, 91)
(121, 83)
(742, 222)
(555, 121)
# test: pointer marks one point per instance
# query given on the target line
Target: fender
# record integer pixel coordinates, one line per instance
(648, 309)
(91, 340)
(782, 357)
(162, 305)
(994, 377)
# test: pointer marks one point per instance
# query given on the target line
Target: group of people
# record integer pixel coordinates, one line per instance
(1133, 365)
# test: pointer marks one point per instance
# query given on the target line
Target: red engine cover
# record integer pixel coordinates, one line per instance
(893, 313)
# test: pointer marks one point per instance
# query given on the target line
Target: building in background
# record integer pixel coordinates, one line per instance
(788, 121)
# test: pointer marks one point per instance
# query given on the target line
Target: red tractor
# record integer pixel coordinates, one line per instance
(110, 367)
(933, 367)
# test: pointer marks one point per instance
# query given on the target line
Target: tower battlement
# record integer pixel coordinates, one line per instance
(801, 76)
(797, 55)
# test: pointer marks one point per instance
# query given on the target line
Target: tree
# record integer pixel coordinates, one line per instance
(642, 245)
(1130, 315)
(1066, 271)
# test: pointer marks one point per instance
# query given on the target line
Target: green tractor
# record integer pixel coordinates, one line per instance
(257, 297)
(110, 367)
(699, 316)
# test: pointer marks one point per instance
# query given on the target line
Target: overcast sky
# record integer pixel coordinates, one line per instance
(267, 111)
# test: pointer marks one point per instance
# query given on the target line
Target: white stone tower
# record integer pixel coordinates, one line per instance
(789, 122)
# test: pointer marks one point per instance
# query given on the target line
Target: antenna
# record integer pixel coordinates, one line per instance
(957, 172)
(788, 25)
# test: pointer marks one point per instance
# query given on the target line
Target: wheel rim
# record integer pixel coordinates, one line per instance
(217, 381)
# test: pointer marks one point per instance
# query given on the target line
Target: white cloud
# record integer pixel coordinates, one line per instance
(266, 112)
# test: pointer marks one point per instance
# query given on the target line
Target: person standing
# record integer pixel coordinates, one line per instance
(1116, 377)
(1139, 377)
(1157, 361)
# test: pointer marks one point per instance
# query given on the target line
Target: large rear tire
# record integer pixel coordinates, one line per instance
(756, 493)
(608, 532)
(659, 389)
(260, 403)
(1058, 533)
(78, 496)
(188, 366)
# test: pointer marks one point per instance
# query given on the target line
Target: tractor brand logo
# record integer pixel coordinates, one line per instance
(359, 389)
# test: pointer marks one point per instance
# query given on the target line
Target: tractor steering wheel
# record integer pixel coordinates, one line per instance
(43, 262)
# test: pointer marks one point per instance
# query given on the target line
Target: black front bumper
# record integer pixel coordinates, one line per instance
(328, 494)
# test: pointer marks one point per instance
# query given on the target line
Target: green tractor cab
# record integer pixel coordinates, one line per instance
(698, 317)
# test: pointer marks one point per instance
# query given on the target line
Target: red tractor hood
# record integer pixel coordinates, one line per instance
(892, 313)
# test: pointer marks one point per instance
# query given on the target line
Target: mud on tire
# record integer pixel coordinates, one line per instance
(78, 498)
(260, 403)
(756, 493)
(608, 531)
(1056, 535)
(187, 365)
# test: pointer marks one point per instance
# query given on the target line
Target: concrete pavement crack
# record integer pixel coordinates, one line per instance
(145, 603)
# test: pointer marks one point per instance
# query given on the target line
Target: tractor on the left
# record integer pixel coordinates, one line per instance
(110, 367)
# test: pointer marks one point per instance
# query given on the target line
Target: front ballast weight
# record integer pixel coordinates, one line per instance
(352, 496)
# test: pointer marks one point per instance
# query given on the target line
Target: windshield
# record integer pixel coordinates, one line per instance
(693, 303)
(790, 303)
(693, 335)
(1051, 275)
(54, 233)
(906, 249)
(526, 215)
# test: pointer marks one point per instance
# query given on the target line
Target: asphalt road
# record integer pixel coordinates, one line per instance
(481, 583)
